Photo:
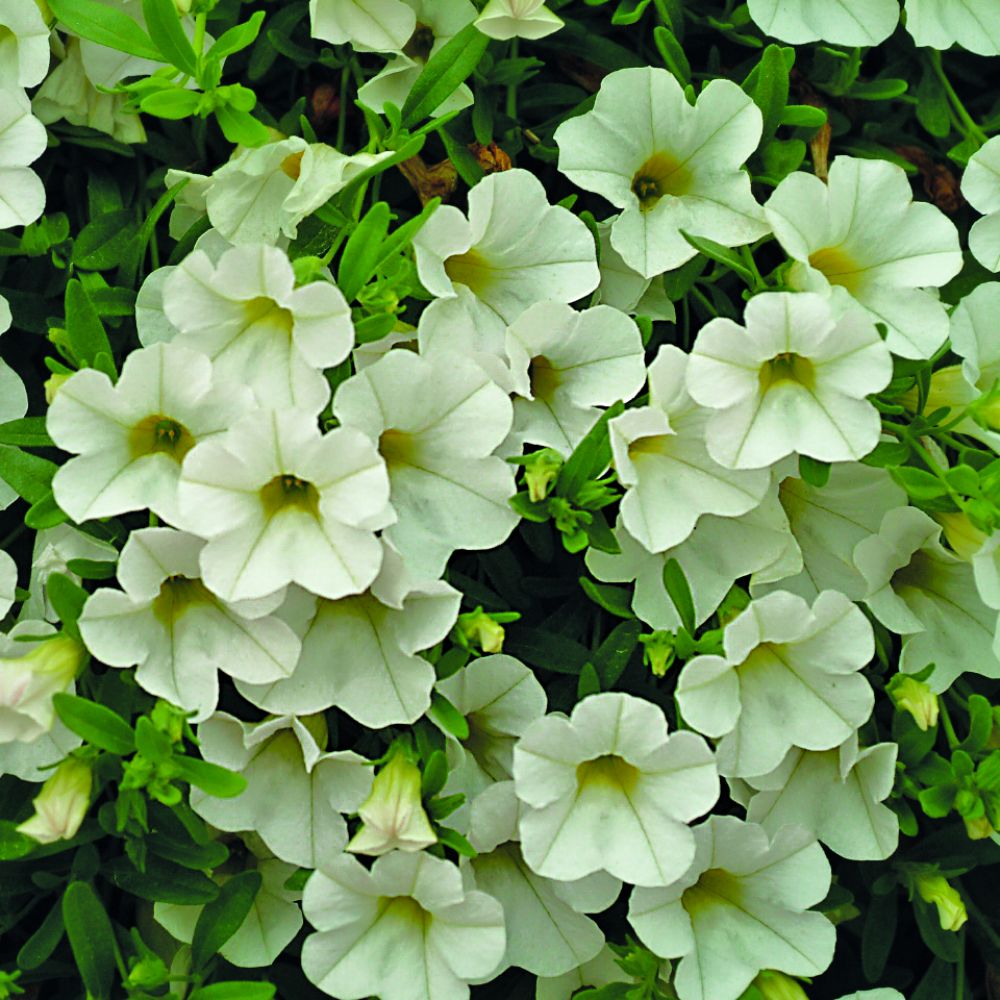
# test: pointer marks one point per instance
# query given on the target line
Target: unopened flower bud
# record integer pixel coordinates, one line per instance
(979, 828)
(936, 889)
(52, 385)
(658, 651)
(961, 534)
(27, 684)
(393, 815)
(915, 697)
(480, 629)
(540, 471)
(62, 804)
(777, 986)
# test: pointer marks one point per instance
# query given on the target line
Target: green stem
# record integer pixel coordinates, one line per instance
(759, 283)
(949, 729)
(345, 78)
(511, 107)
(973, 131)
(198, 42)
(960, 968)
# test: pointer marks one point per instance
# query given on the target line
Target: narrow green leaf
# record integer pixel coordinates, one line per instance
(91, 569)
(30, 476)
(162, 881)
(363, 251)
(614, 600)
(164, 26)
(590, 457)
(679, 592)
(588, 682)
(919, 484)
(68, 599)
(721, 254)
(210, 778)
(28, 432)
(612, 656)
(45, 513)
(91, 939)
(101, 243)
(150, 742)
(84, 328)
(672, 53)
(237, 38)
(223, 916)
(235, 991)
(813, 471)
(879, 934)
(97, 724)
(37, 949)
(770, 92)
(435, 774)
(444, 73)
(106, 26)
(450, 719)
(803, 116)
(980, 724)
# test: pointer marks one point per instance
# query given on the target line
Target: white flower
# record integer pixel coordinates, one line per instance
(13, 398)
(845, 22)
(509, 260)
(437, 22)
(62, 804)
(406, 930)
(881, 994)
(246, 314)
(280, 503)
(24, 44)
(659, 454)
(972, 337)
(33, 761)
(566, 364)
(8, 583)
(835, 794)
(273, 921)
(22, 140)
(626, 289)
(376, 674)
(131, 436)
(981, 188)
(436, 422)
(295, 791)
(602, 970)
(920, 590)
(368, 25)
(506, 19)
(741, 908)
(789, 677)
(794, 380)
(608, 789)
(861, 239)
(177, 632)
(668, 165)
(973, 24)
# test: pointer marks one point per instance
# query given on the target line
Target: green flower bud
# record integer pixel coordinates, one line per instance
(915, 697)
(936, 889)
(62, 804)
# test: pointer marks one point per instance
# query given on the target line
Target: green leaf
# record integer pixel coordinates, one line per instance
(938, 982)
(435, 774)
(106, 26)
(813, 471)
(803, 116)
(223, 916)
(91, 938)
(13, 844)
(980, 724)
(363, 251)
(590, 457)
(150, 742)
(612, 656)
(239, 37)
(770, 90)
(97, 724)
(241, 127)
(162, 881)
(30, 476)
(164, 26)
(45, 513)
(37, 949)
(946, 945)
(444, 73)
(878, 90)
(450, 719)
(372, 328)
(174, 103)
(454, 840)
(919, 484)
(672, 54)
(210, 778)
(235, 991)
(615, 600)
(84, 329)
(679, 592)
(588, 683)
(546, 650)
(720, 254)
(133, 255)
(879, 934)
(402, 236)
(101, 243)
(68, 599)
(92, 569)
(28, 432)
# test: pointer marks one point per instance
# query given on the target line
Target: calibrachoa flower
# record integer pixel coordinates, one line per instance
(436, 422)
(24, 44)
(131, 436)
(368, 25)
(281, 503)
(505, 19)
(973, 24)
(846, 22)
(22, 141)
(668, 165)
(8, 582)
(246, 314)
(794, 380)
(626, 289)
(981, 188)
(743, 906)
(62, 804)
(179, 634)
(405, 930)
(790, 676)
(861, 239)
(507, 260)
(607, 789)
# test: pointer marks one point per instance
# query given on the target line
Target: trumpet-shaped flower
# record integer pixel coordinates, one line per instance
(794, 380)
(669, 166)
(13, 398)
(376, 674)
(8, 583)
(607, 789)
(626, 289)
(789, 677)
(972, 24)
(62, 804)
(505, 19)
(246, 314)
(659, 454)
(24, 44)
(367, 25)
(131, 436)
(508, 260)
(178, 633)
(981, 188)
(845, 22)
(280, 503)
(566, 365)
(862, 240)
(295, 791)
(22, 141)
(406, 930)
(436, 422)
(742, 907)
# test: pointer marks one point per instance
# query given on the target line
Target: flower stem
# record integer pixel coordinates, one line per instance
(972, 130)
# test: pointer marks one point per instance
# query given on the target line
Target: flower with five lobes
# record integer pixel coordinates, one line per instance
(845, 22)
(246, 314)
(606, 789)
(794, 380)
(668, 165)
(505, 19)
(981, 188)
(22, 141)
(131, 436)
(281, 503)
(861, 239)
(790, 676)
(367, 25)
(24, 44)
(61, 805)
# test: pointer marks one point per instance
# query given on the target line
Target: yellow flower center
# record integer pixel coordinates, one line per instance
(288, 492)
(418, 48)
(178, 594)
(607, 771)
(660, 175)
(545, 378)
(839, 268)
(712, 886)
(787, 367)
(264, 309)
(157, 434)
(470, 269)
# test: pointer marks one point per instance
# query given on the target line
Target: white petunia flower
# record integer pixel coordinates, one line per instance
(607, 789)
(923, 592)
(8, 583)
(368, 25)
(361, 653)
(436, 422)
(22, 141)
(981, 188)
(508, 260)
(741, 908)
(406, 930)
(179, 634)
(131, 436)
(246, 314)
(972, 24)
(273, 921)
(659, 454)
(505, 19)
(566, 365)
(880, 994)
(13, 398)
(24, 44)
(861, 239)
(844, 22)
(973, 339)
(602, 970)
(789, 677)
(794, 380)
(668, 165)
(835, 794)
(295, 791)
(281, 503)
(626, 289)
